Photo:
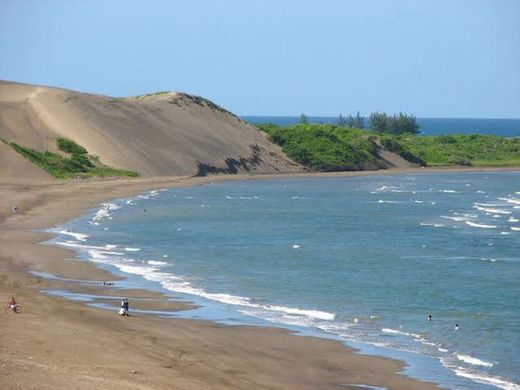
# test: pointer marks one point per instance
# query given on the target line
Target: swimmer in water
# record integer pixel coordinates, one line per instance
(456, 326)
(429, 317)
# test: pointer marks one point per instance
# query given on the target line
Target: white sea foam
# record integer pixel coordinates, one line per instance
(490, 204)
(75, 244)
(450, 191)
(104, 211)
(180, 285)
(388, 201)
(516, 229)
(335, 327)
(511, 200)
(487, 380)
(432, 224)
(128, 249)
(511, 219)
(456, 219)
(395, 331)
(492, 211)
(472, 360)
(478, 225)
(322, 315)
(442, 349)
(384, 188)
(77, 236)
(154, 262)
(490, 260)
(296, 246)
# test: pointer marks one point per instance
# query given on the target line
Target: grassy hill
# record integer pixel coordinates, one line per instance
(326, 147)
(461, 149)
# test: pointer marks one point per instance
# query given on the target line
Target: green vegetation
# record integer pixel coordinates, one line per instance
(326, 147)
(462, 149)
(80, 164)
(381, 122)
(69, 146)
(392, 144)
(147, 95)
(395, 124)
(356, 122)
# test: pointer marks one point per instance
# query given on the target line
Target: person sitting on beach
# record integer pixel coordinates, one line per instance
(12, 304)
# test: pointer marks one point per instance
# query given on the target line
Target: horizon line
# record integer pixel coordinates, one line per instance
(367, 116)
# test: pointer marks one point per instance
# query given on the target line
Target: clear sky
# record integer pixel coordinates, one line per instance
(433, 58)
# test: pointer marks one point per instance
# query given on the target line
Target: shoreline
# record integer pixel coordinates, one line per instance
(203, 355)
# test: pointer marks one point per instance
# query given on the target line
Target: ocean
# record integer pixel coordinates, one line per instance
(364, 260)
(428, 126)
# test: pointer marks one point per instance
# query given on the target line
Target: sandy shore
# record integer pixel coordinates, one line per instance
(58, 343)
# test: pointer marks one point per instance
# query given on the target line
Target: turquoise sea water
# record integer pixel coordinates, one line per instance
(428, 126)
(364, 260)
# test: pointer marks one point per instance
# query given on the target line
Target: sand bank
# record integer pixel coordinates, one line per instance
(58, 343)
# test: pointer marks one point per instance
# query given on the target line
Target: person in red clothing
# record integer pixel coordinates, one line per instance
(12, 304)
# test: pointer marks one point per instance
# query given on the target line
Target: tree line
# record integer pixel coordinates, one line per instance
(377, 121)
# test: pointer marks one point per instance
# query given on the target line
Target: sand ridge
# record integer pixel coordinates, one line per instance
(155, 135)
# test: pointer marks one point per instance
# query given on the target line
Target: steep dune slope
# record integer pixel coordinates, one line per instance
(15, 168)
(155, 135)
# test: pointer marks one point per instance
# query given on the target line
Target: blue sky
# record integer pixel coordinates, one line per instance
(433, 58)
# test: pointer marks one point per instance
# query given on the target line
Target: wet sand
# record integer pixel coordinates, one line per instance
(59, 343)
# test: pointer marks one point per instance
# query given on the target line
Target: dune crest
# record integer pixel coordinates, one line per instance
(161, 134)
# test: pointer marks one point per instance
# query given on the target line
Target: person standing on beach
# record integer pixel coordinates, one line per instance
(14, 209)
(124, 307)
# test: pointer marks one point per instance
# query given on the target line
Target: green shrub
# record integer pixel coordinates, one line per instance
(80, 164)
(463, 149)
(69, 146)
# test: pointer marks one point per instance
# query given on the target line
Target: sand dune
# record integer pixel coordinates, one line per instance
(15, 168)
(156, 135)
